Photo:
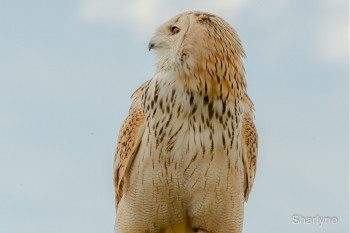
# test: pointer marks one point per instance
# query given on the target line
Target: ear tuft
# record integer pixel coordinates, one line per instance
(204, 16)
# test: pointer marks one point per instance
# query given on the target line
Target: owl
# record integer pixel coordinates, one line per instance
(186, 153)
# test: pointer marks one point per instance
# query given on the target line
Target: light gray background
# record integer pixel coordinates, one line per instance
(68, 69)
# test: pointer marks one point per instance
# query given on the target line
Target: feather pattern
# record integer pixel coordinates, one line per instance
(250, 142)
(127, 141)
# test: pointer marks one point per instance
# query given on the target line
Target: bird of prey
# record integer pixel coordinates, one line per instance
(186, 153)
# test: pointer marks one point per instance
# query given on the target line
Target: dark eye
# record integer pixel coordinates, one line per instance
(175, 30)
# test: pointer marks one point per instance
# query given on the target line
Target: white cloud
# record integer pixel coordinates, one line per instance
(333, 32)
(143, 17)
(333, 44)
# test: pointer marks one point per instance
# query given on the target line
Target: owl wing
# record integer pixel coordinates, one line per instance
(130, 135)
(250, 146)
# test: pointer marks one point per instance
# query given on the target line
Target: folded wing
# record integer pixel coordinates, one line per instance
(250, 146)
(130, 135)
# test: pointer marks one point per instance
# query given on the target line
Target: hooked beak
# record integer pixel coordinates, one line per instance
(150, 45)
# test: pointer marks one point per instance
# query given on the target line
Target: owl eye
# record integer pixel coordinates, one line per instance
(175, 30)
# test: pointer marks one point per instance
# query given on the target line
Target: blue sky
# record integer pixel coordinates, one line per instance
(68, 69)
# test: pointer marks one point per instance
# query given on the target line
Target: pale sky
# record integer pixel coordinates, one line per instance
(68, 69)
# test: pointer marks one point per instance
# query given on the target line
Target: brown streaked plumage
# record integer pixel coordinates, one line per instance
(186, 155)
(250, 139)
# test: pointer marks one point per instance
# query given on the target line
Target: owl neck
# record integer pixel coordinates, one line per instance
(165, 94)
(217, 83)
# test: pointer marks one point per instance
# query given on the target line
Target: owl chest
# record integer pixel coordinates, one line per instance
(185, 154)
(185, 131)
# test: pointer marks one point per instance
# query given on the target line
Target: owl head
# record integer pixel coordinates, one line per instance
(202, 45)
